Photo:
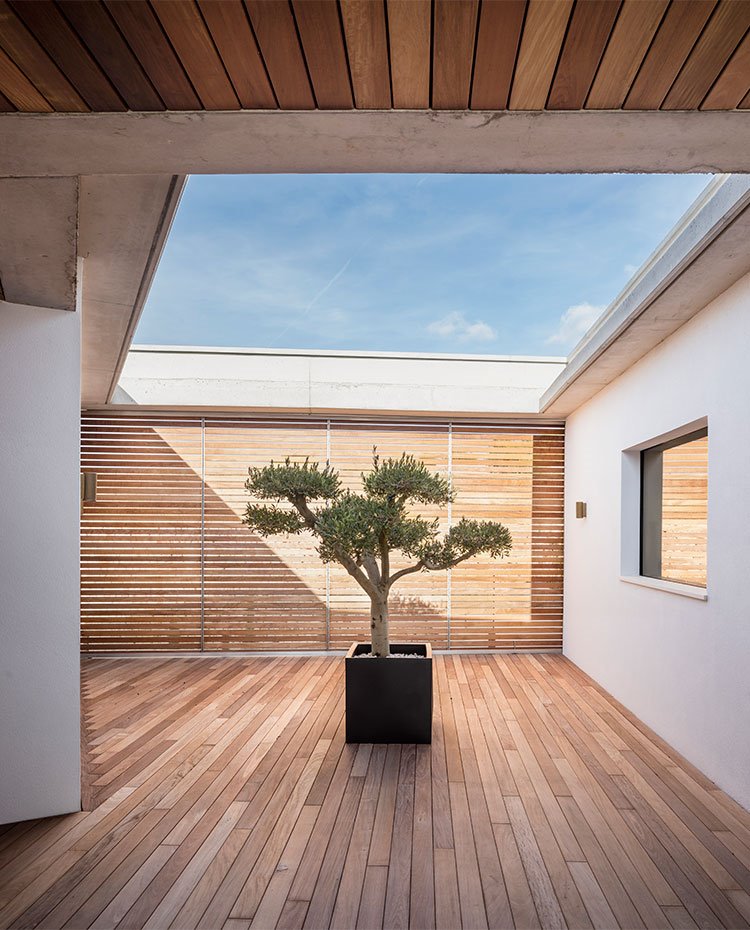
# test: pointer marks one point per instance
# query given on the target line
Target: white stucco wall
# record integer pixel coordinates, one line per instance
(39, 516)
(681, 665)
(321, 382)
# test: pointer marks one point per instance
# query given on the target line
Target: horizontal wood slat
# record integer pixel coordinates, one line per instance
(167, 563)
(109, 55)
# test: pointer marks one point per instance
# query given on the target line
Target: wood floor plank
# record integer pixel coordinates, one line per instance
(225, 796)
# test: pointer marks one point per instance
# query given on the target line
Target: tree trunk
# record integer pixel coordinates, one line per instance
(379, 625)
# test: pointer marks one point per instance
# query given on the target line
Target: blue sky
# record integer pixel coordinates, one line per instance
(497, 264)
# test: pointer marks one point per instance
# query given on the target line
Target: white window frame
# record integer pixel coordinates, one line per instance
(630, 522)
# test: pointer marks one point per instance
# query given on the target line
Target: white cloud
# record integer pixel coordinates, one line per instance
(630, 270)
(455, 325)
(575, 322)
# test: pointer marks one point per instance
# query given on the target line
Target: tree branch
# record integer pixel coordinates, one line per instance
(407, 571)
(299, 502)
(385, 557)
(371, 567)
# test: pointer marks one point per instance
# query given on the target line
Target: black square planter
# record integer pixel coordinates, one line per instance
(389, 700)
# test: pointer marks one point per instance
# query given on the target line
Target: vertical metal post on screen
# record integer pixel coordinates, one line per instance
(328, 567)
(448, 605)
(203, 530)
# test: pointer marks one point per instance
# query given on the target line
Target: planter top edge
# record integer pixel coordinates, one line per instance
(355, 645)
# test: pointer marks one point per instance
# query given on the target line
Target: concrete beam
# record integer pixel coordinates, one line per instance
(39, 241)
(124, 222)
(410, 141)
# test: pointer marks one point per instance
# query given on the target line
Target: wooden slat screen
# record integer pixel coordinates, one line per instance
(259, 593)
(141, 539)
(168, 565)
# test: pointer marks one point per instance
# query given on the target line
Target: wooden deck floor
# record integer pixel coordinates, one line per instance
(225, 797)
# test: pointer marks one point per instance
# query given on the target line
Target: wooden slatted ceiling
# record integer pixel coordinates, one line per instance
(168, 565)
(150, 55)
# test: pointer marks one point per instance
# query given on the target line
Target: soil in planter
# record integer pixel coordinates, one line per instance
(391, 655)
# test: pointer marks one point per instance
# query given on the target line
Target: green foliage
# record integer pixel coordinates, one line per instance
(271, 521)
(363, 526)
(293, 480)
(405, 479)
(466, 539)
(363, 529)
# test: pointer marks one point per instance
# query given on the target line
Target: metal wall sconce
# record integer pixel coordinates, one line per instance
(88, 487)
(580, 510)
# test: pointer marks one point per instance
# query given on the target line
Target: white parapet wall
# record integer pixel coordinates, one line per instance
(679, 663)
(320, 382)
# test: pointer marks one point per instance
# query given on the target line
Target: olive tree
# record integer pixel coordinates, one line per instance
(362, 530)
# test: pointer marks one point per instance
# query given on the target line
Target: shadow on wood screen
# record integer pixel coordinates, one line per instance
(167, 563)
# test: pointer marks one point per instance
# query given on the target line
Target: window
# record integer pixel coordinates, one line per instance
(674, 509)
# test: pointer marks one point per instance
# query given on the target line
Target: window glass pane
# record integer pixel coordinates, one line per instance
(674, 493)
(685, 512)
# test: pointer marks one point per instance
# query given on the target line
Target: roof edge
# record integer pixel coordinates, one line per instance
(720, 204)
(347, 353)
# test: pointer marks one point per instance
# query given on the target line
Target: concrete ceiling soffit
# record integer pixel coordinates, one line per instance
(39, 241)
(124, 222)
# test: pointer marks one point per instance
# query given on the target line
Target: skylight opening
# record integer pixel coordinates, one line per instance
(431, 263)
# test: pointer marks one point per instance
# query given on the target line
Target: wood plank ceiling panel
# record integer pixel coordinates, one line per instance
(19, 44)
(498, 38)
(542, 39)
(230, 28)
(6, 107)
(49, 27)
(18, 89)
(453, 53)
(410, 37)
(722, 35)
(733, 84)
(323, 44)
(674, 40)
(140, 27)
(192, 41)
(112, 55)
(93, 24)
(626, 49)
(367, 46)
(276, 33)
(590, 28)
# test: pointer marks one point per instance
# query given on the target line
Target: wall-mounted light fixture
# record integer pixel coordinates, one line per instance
(580, 510)
(88, 486)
